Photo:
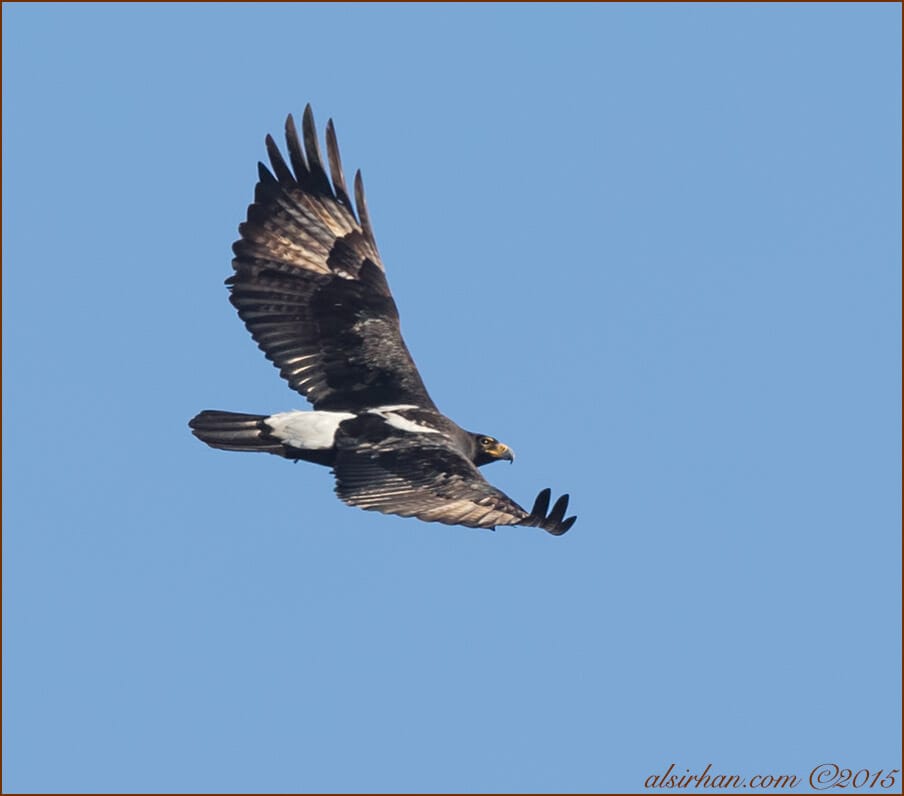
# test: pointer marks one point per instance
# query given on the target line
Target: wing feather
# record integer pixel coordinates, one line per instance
(282, 171)
(430, 482)
(321, 183)
(296, 153)
(332, 151)
(423, 476)
(310, 286)
(361, 202)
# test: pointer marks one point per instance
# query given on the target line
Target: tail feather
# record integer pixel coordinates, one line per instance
(235, 431)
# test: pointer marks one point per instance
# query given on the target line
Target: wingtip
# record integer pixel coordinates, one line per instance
(280, 168)
(361, 205)
(264, 174)
(558, 511)
(562, 527)
(307, 118)
(335, 162)
(550, 521)
(541, 504)
(319, 181)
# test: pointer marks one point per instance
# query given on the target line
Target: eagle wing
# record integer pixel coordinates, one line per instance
(421, 476)
(311, 288)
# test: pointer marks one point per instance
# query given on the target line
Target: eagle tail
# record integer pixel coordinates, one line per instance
(235, 431)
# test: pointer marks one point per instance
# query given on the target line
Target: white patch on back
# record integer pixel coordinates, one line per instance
(307, 430)
(388, 413)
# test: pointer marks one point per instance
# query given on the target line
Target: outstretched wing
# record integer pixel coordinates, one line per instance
(428, 480)
(311, 288)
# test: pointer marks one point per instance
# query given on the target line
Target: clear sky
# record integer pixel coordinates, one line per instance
(656, 249)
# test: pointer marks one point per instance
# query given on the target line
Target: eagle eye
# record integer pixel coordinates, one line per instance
(486, 442)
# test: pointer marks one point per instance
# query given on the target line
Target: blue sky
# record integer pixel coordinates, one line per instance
(656, 249)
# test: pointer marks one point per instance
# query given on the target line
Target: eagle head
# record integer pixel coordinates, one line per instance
(489, 449)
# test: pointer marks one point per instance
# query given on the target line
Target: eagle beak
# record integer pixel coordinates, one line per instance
(503, 452)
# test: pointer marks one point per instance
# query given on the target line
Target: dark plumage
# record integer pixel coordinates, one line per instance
(311, 288)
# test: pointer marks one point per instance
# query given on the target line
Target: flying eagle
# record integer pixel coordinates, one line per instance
(311, 288)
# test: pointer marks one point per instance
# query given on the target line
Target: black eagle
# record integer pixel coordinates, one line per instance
(311, 288)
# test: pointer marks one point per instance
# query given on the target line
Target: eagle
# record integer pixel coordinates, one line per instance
(311, 288)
